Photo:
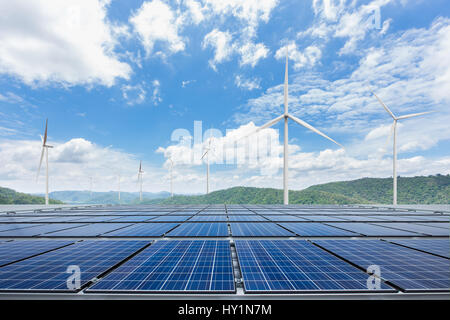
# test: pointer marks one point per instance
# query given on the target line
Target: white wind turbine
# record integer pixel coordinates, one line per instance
(394, 133)
(45, 148)
(286, 115)
(119, 189)
(207, 164)
(140, 172)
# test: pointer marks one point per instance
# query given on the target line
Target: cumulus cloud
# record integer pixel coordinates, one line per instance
(308, 58)
(69, 42)
(155, 21)
(221, 42)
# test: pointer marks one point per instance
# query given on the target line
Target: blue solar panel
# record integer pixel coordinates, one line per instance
(142, 230)
(171, 218)
(134, 219)
(48, 271)
(284, 217)
(418, 228)
(316, 229)
(322, 218)
(13, 226)
(296, 265)
(38, 229)
(174, 266)
(439, 247)
(208, 218)
(91, 230)
(409, 269)
(253, 217)
(370, 229)
(11, 251)
(199, 229)
(258, 229)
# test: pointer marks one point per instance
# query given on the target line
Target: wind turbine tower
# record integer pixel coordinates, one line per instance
(45, 148)
(140, 172)
(394, 133)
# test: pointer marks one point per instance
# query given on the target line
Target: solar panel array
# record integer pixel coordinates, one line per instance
(232, 249)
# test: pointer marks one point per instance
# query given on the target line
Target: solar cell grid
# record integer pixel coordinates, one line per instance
(171, 218)
(11, 251)
(47, 272)
(253, 217)
(142, 230)
(370, 229)
(409, 269)
(316, 229)
(297, 266)
(174, 266)
(258, 229)
(418, 228)
(199, 229)
(284, 218)
(440, 247)
(38, 229)
(90, 230)
(209, 218)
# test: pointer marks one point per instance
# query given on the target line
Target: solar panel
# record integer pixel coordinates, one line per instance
(208, 218)
(199, 229)
(284, 217)
(316, 229)
(174, 266)
(296, 265)
(48, 271)
(258, 229)
(38, 229)
(321, 218)
(91, 230)
(406, 268)
(13, 226)
(253, 217)
(371, 229)
(171, 218)
(439, 247)
(12, 251)
(142, 230)
(418, 228)
(133, 219)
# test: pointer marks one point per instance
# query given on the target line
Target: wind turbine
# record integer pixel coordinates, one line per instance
(207, 164)
(45, 148)
(286, 115)
(140, 172)
(394, 133)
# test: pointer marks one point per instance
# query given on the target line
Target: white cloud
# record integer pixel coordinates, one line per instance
(71, 163)
(308, 58)
(195, 10)
(156, 96)
(251, 53)
(155, 21)
(247, 84)
(133, 94)
(221, 42)
(69, 42)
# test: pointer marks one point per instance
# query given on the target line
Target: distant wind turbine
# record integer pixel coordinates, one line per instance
(394, 133)
(140, 172)
(45, 148)
(207, 164)
(286, 115)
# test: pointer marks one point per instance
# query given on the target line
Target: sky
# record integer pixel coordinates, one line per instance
(128, 81)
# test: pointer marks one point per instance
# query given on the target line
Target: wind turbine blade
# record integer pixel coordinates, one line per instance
(45, 133)
(40, 163)
(140, 166)
(384, 106)
(414, 115)
(310, 127)
(266, 125)
(204, 154)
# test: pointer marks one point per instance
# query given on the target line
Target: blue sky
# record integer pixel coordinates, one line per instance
(116, 80)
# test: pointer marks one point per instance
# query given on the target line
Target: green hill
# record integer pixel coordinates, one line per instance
(9, 196)
(413, 190)
(110, 197)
